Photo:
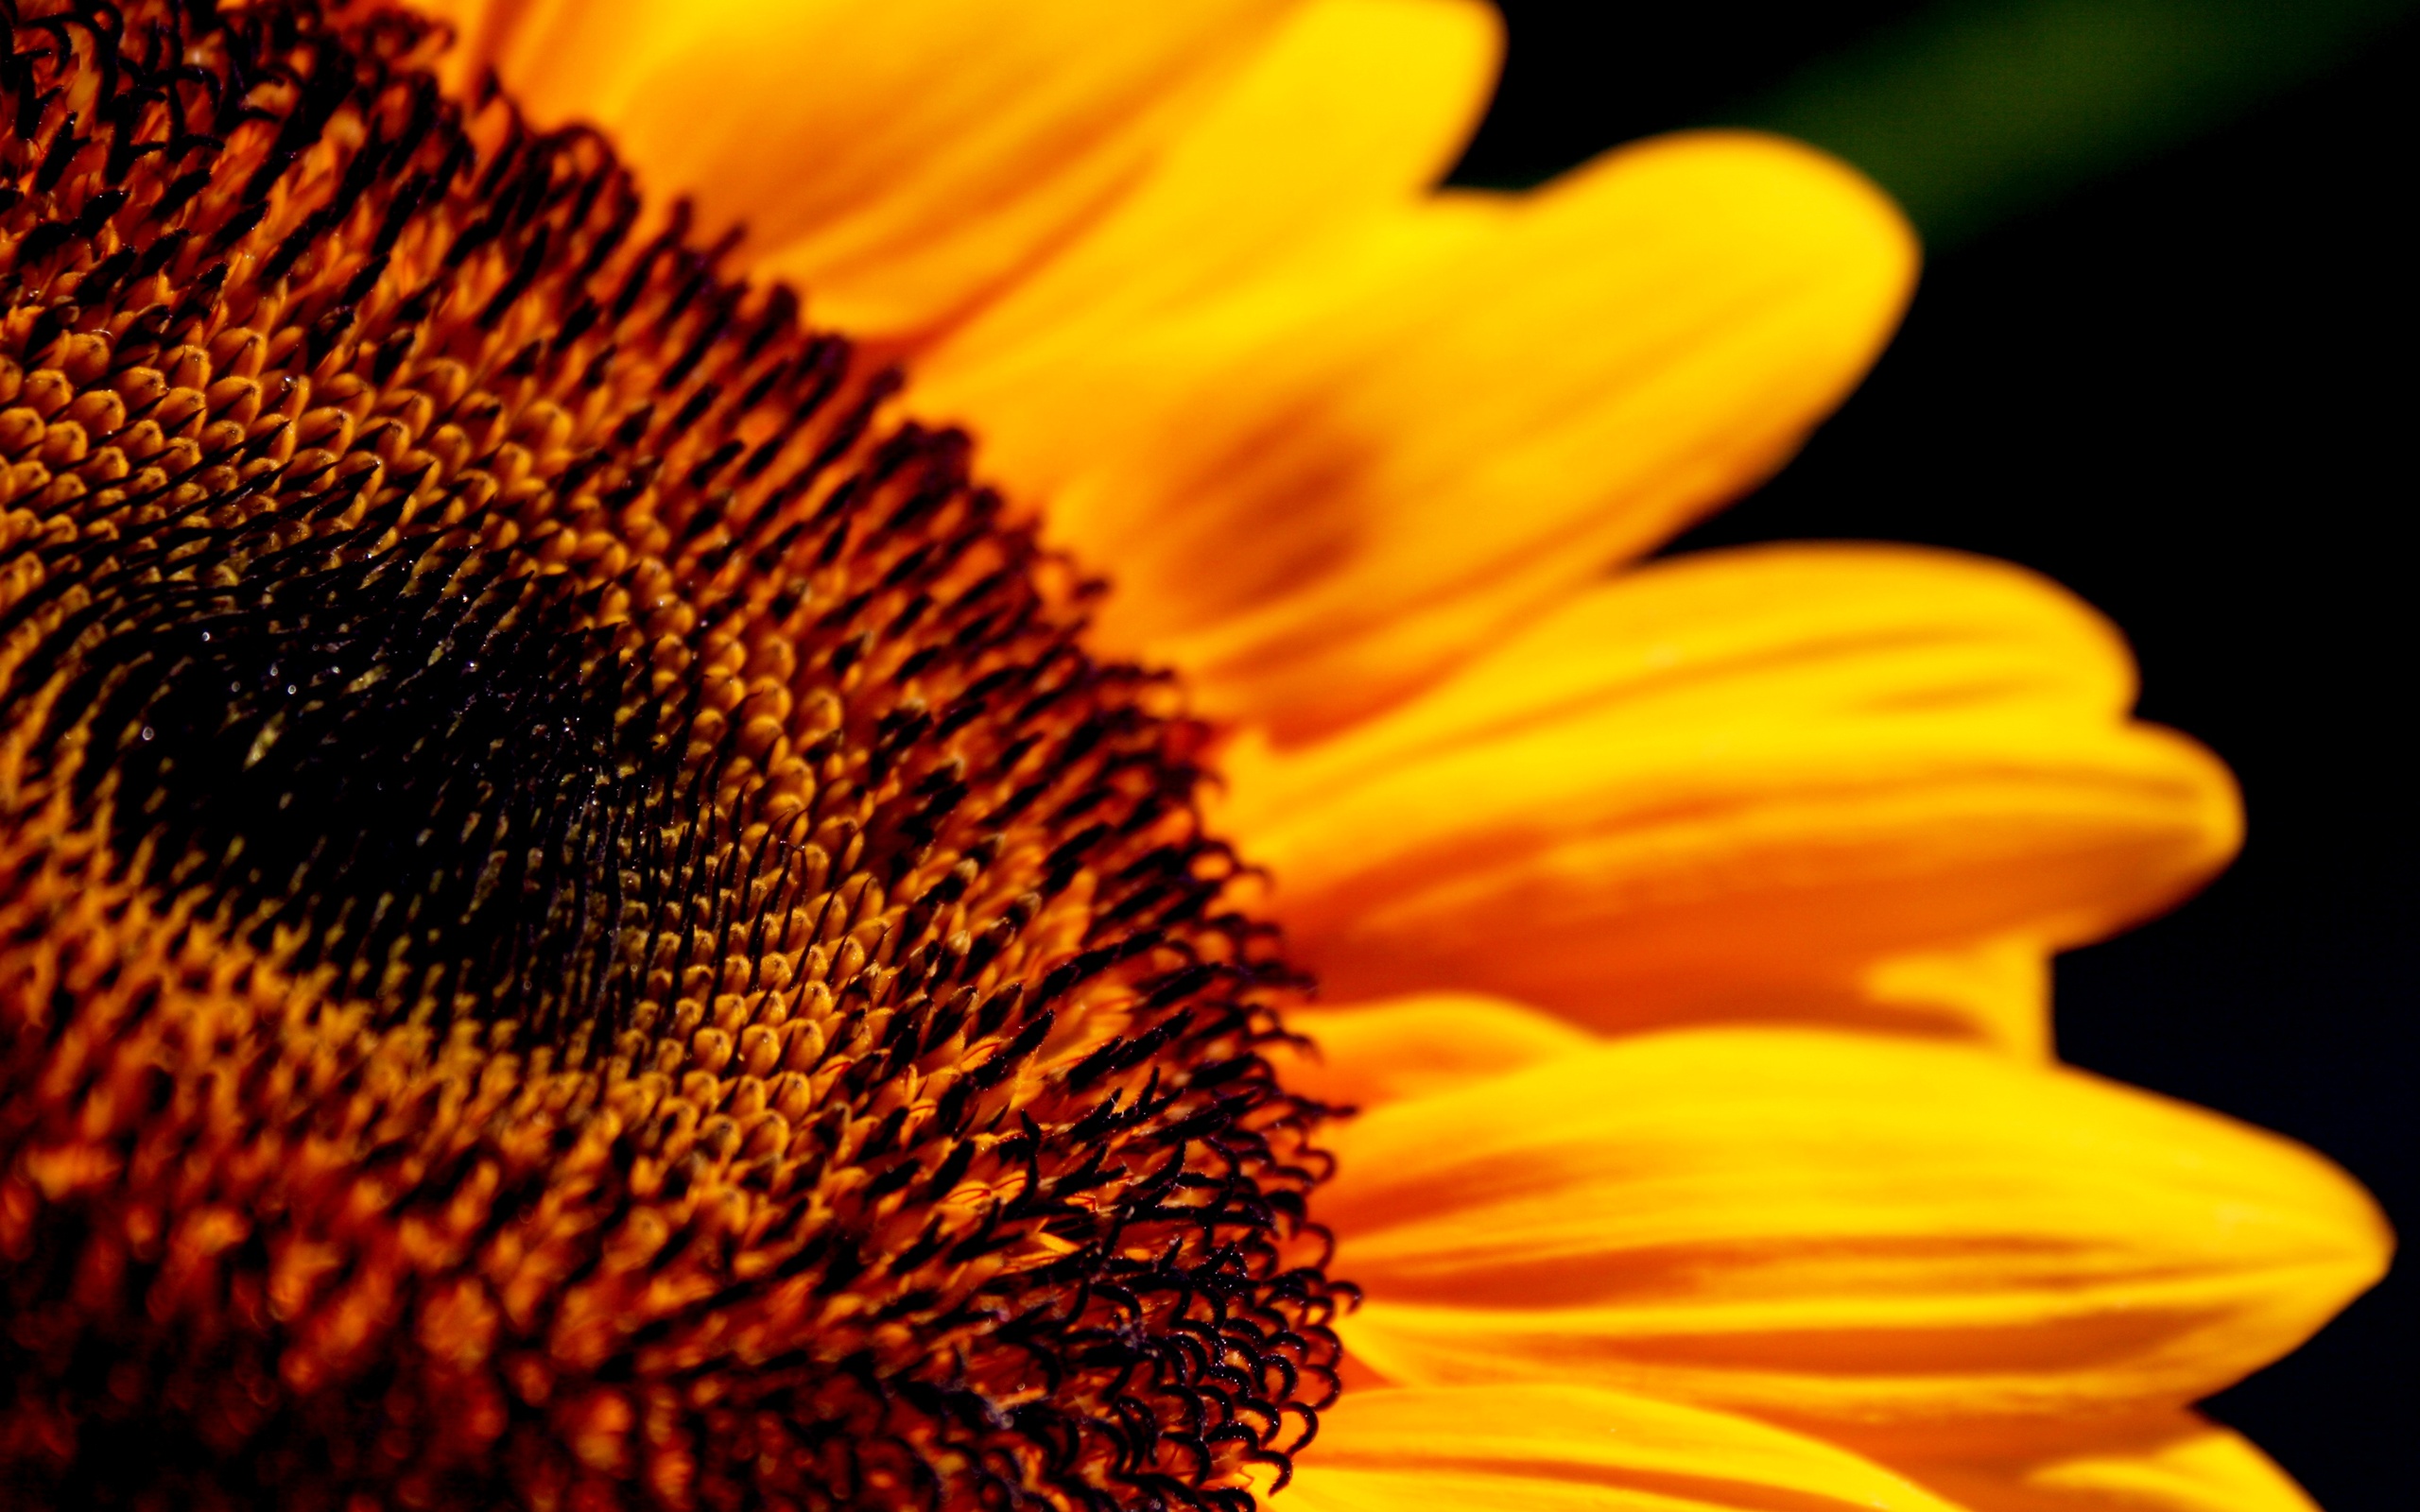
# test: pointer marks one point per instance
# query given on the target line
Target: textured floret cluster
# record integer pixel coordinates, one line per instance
(576, 926)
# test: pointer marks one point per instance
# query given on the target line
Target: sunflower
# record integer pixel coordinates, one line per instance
(598, 910)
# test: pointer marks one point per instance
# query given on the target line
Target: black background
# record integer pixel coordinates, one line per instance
(2184, 391)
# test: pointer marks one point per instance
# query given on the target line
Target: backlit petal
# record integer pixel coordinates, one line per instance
(1878, 1238)
(1353, 108)
(1321, 491)
(2181, 1463)
(1565, 1449)
(899, 161)
(1846, 781)
(1365, 1053)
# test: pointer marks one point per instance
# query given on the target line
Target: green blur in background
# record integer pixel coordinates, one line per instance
(1973, 110)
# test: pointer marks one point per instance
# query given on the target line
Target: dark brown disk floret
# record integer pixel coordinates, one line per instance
(577, 929)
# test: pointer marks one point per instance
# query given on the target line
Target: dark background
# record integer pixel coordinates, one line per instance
(2182, 389)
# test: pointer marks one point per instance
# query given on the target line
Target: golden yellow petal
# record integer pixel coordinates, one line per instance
(1361, 1054)
(1568, 1449)
(1884, 1240)
(1745, 784)
(2180, 1463)
(1353, 108)
(1998, 990)
(899, 161)
(1319, 492)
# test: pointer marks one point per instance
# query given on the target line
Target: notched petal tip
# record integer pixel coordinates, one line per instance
(1428, 432)
(1883, 1240)
(1787, 781)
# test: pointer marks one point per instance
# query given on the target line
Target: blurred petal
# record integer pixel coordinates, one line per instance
(1321, 492)
(1365, 1053)
(1353, 108)
(1998, 989)
(1883, 1240)
(900, 161)
(2181, 1463)
(1864, 784)
(1549, 1449)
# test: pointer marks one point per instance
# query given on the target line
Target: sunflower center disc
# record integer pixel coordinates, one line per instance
(575, 927)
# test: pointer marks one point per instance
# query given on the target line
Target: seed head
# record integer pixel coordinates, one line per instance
(578, 928)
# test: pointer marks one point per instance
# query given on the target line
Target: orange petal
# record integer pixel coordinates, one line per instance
(1365, 1053)
(2181, 1463)
(1568, 1449)
(1355, 107)
(1884, 1240)
(1749, 783)
(900, 161)
(1317, 494)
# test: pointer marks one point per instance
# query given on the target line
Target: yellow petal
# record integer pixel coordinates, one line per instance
(1744, 784)
(1317, 494)
(2181, 1463)
(1353, 108)
(1884, 1240)
(1565, 1449)
(1996, 989)
(900, 161)
(1362, 1055)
